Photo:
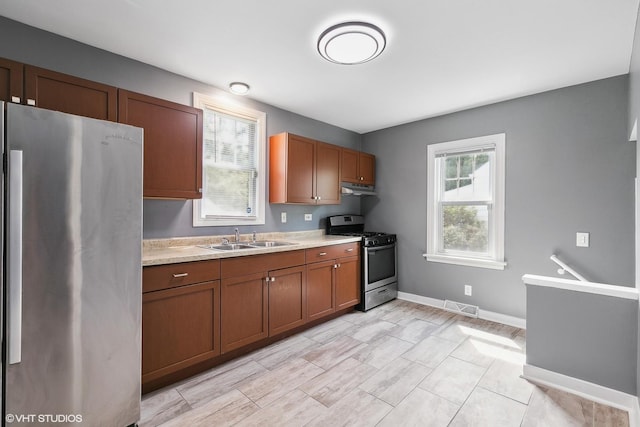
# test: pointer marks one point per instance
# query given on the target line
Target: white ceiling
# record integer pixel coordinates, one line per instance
(442, 55)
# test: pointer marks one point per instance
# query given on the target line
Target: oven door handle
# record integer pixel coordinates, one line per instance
(374, 249)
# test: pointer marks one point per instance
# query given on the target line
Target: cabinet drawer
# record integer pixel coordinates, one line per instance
(332, 252)
(168, 276)
(243, 265)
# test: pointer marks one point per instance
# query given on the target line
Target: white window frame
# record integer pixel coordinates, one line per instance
(495, 260)
(223, 105)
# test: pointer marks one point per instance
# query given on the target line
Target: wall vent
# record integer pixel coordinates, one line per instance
(461, 308)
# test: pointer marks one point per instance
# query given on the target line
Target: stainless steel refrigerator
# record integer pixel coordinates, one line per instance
(71, 269)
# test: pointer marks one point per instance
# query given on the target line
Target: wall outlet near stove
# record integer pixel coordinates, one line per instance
(468, 290)
(283, 217)
(308, 217)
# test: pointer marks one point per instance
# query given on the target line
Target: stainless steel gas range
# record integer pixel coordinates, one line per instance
(379, 260)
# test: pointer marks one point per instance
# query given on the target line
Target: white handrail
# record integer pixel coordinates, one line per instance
(564, 267)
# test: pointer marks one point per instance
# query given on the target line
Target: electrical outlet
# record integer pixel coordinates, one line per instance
(467, 290)
(582, 240)
(283, 217)
(308, 217)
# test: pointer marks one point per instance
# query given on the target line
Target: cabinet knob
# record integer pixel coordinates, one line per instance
(322, 254)
(335, 265)
(15, 99)
(319, 198)
(176, 275)
(31, 102)
(349, 250)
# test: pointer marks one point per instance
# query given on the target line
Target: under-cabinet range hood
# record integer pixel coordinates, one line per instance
(349, 189)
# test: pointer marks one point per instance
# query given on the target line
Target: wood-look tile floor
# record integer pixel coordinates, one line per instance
(401, 364)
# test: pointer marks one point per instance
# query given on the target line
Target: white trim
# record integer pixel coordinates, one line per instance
(579, 286)
(505, 319)
(595, 392)
(497, 226)
(224, 105)
(469, 262)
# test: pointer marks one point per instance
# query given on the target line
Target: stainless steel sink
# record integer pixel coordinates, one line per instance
(268, 244)
(228, 246)
(246, 245)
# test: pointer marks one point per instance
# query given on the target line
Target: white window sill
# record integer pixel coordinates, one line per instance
(469, 262)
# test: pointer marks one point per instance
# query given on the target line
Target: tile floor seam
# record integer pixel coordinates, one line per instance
(502, 395)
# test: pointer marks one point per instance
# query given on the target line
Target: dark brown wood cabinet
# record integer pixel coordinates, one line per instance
(358, 167)
(172, 144)
(287, 297)
(333, 279)
(255, 306)
(11, 83)
(62, 92)
(320, 289)
(39, 87)
(245, 310)
(347, 282)
(180, 317)
(304, 171)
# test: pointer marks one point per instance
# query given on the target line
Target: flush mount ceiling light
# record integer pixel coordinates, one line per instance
(239, 88)
(351, 43)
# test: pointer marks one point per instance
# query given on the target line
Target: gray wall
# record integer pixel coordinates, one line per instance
(585, 336)
(169, 218)
(569, 168)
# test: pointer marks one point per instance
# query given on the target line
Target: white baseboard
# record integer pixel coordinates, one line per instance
(591, 391)
(483, 314)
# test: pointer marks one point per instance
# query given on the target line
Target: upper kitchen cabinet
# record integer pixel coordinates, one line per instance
(172, 144)
(11, 88)
(61, 92)
(358, 167)
(304, 171)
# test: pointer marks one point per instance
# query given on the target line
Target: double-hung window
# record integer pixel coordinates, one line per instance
(233, 164)
(465, 202)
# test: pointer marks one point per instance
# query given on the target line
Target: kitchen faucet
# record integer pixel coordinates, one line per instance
(237, 235)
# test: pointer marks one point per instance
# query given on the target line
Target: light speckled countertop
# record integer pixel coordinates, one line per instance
(185, 249)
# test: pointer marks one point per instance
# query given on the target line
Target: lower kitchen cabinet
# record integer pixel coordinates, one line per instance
(347, 282)
(180, 327)
(333, 280)
(320, 289)
(262, 296)
(244, 312)
(287, 296)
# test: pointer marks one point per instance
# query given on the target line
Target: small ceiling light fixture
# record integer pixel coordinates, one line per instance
(351, 43)
(239, 88)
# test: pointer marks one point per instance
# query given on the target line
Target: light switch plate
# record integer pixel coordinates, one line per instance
(308, 217)
(582, 240)
(283, 217)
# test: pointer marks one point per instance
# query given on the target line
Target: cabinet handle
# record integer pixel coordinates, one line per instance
(322, 254)
(273, 279)
(339, 265)
(15, 99)
(335, 266)
(270, 279)
(31, 102)
(319, 198)
(176, 275)
(349, 250)
(362, 178)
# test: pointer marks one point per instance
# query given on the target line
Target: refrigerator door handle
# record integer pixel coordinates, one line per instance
(15, 258)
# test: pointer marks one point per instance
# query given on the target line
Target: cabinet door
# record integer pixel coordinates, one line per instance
(172, 144)
(327, 174)
(180, 327)
(287, 296)
(10, 81)
(300, 170)
(350, 166)
(367, 168)
(320, 289)
(244, 311)
(61, 92)
(347, 282)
